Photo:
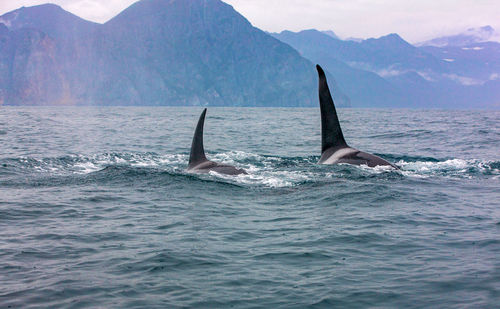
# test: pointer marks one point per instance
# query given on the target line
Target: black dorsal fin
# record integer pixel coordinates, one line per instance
(197, 151)
(331, 133)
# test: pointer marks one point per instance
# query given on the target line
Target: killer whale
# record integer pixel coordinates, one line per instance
(334, 148)
(198, 162)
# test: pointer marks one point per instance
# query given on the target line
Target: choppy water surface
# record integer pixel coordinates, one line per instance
(96, 210)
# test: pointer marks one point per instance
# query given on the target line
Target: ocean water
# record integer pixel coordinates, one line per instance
(97, 210)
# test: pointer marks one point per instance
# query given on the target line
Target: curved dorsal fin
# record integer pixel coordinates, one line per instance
(197, 151)
(331, 133)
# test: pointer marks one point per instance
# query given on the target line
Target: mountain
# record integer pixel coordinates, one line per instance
(471, 36)
(202, 52)
(50, 19)
(40, 52)
(391, 52)
(156, 52)
(371, 71)
(387, 55)
(472, 64)
(364, 88)
(390, 72)
(210, 55)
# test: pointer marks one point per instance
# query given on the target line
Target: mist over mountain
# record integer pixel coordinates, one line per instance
(156, 52)
(331, 33)
(471, 36)
(388, 71)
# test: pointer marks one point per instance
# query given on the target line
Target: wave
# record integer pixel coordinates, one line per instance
(263, 171)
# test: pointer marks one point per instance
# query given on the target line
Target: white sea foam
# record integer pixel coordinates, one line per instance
(377, 169)
(428, 166)
(274, 179)
(448, 168)
(86, 167)
(268, 171)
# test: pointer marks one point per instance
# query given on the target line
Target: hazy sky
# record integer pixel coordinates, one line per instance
(414, 20)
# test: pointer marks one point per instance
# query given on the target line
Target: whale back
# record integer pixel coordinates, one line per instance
(331, 133)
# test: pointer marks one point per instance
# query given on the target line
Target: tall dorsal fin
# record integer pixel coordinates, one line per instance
(197, 151)
(331, 133)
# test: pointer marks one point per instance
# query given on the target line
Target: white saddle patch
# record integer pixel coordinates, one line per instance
(337, 155)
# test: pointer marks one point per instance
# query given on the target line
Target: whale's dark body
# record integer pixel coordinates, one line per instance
(198, 162)
(334, 148)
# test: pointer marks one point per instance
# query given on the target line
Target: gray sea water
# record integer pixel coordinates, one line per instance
(97, 210)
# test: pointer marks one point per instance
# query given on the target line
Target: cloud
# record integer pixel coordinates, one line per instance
(389, 72)
(98, 11)
(94, 10)
(426, 75)
(414, 20)
(463, 80)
